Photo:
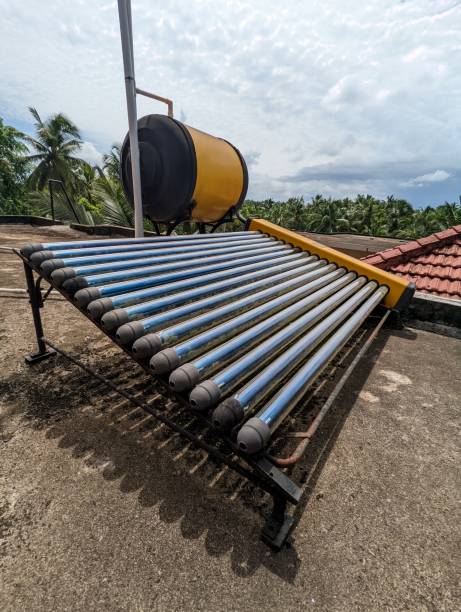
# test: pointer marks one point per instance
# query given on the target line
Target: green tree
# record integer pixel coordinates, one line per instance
(56, 142)
(449, 214)
(326, 215)
(13, 171)
(111, 162)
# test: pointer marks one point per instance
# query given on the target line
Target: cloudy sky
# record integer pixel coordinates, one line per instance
(323, 96)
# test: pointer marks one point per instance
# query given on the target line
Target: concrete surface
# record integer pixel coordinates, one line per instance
(93, 517)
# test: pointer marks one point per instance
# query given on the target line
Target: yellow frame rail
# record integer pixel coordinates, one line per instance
(400, 290)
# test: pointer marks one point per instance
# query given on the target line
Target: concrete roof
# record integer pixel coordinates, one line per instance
(98, 513)
(354, 243)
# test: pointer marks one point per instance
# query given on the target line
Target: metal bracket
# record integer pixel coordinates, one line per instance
(276, 531)
(283, 486)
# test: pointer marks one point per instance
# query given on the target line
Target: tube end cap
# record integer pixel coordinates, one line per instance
(49, 265)
(39, 257)
(227, 414)
(72, 285)
(61, 275)
(184, 377)
(165, 361)
(99, 307)
(146, 346)
(28, 249)
(253, 436)
(114, 318)
(205, 395)
(84, 296)
(128, 332)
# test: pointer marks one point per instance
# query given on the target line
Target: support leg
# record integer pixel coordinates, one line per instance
(277, 529)
(35, 300)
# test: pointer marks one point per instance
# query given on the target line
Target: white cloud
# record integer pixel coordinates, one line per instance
(89, 153)
(432, 177)
(357, 85)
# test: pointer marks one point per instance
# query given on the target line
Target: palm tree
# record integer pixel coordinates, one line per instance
(325, 215)
(449, 214)
(114, 207)
(111, 162)
(56, 142)
(399, 215)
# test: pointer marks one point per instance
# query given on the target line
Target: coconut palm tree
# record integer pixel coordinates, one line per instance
(56, 143)
(111, 162)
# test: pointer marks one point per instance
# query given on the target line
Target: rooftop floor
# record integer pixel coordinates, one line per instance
(95, 514)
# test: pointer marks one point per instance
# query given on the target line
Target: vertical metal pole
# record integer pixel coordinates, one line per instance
(124, 12)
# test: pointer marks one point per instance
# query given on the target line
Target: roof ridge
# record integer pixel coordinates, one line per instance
(413, 246)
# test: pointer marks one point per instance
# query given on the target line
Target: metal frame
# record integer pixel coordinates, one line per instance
(261, 470)
(231, 215)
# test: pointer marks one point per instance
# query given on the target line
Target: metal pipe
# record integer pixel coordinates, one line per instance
(113, 261)
(130, 331)
(171, 295)
(256, 432)
(266, 319)
(38, 257)
(222, 260)
(200, 275)
(27, 250)
(126, 34)
(166, 101)
(313, 427)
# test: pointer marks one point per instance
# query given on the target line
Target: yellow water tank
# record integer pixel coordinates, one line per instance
(186, 174)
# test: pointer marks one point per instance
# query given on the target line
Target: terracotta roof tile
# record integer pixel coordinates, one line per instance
(433, 263)
(391, 253)
(427, 240)
(448, 233)
(374, 260)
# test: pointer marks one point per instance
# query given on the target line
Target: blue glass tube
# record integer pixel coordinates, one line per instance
(188, 375)
(40, 256)
(211, 391)
(103, 262)
(185, 349)
(256, 432)
(255, 324)
(79, 244)
(222, 260)
(120, 295)
(174, 296)
(272, 284)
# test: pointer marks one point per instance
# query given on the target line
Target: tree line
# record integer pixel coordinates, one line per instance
(95, 194)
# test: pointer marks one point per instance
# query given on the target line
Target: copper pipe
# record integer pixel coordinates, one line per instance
(309, 433)
(166, 101)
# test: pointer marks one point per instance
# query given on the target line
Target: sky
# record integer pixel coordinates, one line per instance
(325, 96)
